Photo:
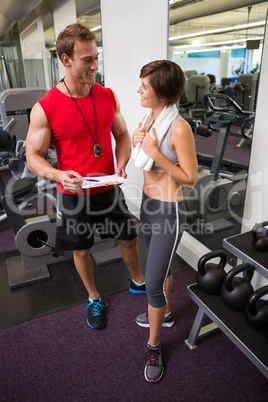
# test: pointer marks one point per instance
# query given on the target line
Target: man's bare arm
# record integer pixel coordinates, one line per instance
(122, 139)
(37, 144)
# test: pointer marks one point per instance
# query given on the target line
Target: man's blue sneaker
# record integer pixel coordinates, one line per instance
(94, 311)
(136, 289)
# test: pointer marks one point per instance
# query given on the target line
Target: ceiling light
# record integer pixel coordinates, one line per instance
(217, 48)
(210, 50)
(219, 30)
(96, 28)
(226, 42)
(181, 3)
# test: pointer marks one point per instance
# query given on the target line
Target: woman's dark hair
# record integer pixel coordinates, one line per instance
(66, 39)
(166, 78)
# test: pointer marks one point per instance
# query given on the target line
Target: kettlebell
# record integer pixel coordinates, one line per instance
(257, 309)
(235, 292)
(210, 276)
(259, 237)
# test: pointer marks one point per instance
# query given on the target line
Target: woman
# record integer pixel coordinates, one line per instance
(164, 146)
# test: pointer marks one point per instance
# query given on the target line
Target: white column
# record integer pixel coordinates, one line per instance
(225, 56)
(134, 33)
(64, 15)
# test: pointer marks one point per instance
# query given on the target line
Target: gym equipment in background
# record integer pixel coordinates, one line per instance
(245, 95)
(246, 91)
(189, 73)
(210, 276)
(243, 92)
(257, 309)
(34, 238)
(31, 187)
(219, 108)
(6, 145)
(260, 236)
(212, 82)
(226, 88)
(192, 103)
(219, 193)
(236, 291)
(4, 76)
(16, 105)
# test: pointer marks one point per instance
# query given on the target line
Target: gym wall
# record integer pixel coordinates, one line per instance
(145, 25)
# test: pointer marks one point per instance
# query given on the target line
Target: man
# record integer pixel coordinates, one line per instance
(78, 116)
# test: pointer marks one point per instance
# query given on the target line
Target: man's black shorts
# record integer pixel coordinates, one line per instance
(80, 216)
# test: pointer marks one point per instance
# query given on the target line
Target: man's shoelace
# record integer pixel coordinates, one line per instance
(97, 306)
(152, 357)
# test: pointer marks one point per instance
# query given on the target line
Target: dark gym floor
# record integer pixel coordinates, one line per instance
(64, 289)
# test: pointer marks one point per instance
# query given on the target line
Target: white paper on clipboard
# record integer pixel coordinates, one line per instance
(99, 181)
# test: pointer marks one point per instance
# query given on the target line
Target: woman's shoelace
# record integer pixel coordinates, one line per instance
(152, 357)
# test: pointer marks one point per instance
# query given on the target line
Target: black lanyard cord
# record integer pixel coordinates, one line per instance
(95, 114)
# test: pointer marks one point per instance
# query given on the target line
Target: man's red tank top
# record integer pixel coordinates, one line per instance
(71, 137)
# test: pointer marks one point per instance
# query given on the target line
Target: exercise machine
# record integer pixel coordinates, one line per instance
(219, 194)
(192, 103)
(241, 127)
(15, 163)
(243, 91)
(246, 91)
(16, 105)
(34, 238)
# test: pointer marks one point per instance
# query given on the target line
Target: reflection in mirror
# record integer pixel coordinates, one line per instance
(88, 14)
(33, 51)
(4, 76)
(11, 66)
(50, 43)
(34, 70)
(220, 55)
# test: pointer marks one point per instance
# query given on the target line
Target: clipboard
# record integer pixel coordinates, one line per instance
(99, 181)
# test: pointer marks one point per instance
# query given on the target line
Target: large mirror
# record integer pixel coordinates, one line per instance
(220, 54)
(50, 43)
(28, 53)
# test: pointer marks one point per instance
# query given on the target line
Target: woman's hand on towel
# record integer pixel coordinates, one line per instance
(138, 135)
(149, 143)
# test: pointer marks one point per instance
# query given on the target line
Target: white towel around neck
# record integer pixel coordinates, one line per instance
(161, 125)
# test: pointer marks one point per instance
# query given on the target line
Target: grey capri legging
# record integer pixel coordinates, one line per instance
(161, 228)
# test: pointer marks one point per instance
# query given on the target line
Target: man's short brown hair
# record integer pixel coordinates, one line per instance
(66, 39)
